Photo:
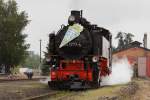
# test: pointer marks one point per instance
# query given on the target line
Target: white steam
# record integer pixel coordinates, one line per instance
(122, 73)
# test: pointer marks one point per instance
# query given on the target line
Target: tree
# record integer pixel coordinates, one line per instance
(128, 38)
(124, 39)
(114, 49)
(32, 61)
(120, 37)
(46, 66)
(12, 40)
(50, 51)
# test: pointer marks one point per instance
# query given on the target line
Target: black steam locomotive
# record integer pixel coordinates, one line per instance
(79, 53)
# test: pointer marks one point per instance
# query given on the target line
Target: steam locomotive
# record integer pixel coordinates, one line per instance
(79, 54)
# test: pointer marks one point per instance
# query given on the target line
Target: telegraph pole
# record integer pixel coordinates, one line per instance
(40, 49)
(40, 57)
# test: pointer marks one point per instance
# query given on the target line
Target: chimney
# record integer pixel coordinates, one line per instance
(145, 40)
(76, 13)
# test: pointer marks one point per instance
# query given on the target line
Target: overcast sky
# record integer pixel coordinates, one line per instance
(116, 15)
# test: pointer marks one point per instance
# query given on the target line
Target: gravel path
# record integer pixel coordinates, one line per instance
(18, 90)
(139, 89)
(143, 92)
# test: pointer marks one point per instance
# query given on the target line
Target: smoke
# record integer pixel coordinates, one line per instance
(122, 73)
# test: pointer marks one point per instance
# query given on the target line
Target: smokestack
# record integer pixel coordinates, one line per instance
(76, 13)
(145, 40)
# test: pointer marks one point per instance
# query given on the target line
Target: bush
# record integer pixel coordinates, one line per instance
(45, 69)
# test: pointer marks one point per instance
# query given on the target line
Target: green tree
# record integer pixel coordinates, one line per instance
(124, 39)
(50, 50)
(128, 38)
(114, 49)
(32, 61)
(120, 37)
(12, 40)
(45, 66)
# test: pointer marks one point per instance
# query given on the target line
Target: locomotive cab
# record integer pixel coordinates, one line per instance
(80, 54)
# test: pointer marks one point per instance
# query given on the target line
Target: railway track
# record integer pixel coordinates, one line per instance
(42, 96)
(51, 96)
(8, 80)
(36, 79)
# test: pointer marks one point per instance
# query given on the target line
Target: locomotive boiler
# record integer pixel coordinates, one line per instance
(79, 54)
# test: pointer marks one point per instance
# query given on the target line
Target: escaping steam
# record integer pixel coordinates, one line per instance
(122, 73)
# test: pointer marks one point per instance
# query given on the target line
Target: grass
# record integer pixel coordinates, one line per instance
(92, 94)
(95, 94)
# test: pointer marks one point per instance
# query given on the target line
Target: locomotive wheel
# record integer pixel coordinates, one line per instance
(52, 85)
(49, 84)
(97, 80)
(97, 84)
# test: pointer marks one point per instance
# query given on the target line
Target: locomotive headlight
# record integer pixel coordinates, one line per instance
(95, 59)
(71, 18)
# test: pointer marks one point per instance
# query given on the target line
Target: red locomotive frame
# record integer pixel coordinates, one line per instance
(60, 76)
(77, 67)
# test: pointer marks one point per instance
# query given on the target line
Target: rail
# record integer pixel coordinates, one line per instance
(39, 97)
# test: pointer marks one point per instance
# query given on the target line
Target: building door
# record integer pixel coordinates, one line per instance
(148, 66)
(142, 66)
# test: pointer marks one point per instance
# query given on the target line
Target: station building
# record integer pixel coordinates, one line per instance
(138, 57)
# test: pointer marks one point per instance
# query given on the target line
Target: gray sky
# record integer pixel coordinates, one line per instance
(116, 15)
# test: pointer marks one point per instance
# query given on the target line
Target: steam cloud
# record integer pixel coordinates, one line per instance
(122, 73)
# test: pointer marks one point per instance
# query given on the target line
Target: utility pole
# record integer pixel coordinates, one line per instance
(40, 57)
(40, 49)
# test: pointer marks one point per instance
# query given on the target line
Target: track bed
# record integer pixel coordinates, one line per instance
(20, 90)
(138, 89)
